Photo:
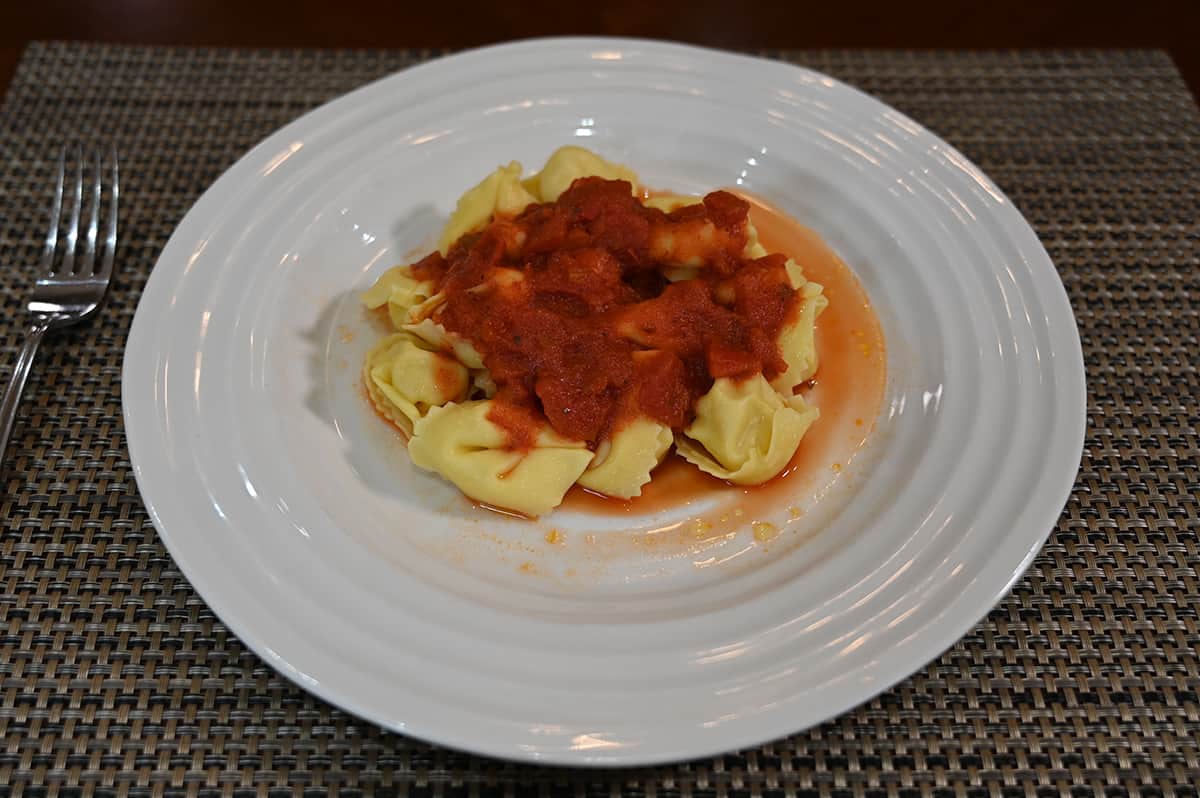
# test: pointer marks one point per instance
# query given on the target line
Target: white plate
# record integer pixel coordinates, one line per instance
(302, 524)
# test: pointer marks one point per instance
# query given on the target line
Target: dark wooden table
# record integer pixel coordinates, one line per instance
(1173, 25)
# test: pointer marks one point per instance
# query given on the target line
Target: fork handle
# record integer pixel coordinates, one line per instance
(16, 383)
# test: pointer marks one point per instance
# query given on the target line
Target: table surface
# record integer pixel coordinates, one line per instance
(115, 677)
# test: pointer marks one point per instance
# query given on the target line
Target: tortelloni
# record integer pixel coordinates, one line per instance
(500, 192)
(752, 250)
(514, 368)
(403, 294)
(436, 336)
(504, 194)
(405, 380)
(797, 341)
(745, 432)
(568, 164)
(462, 444)
(623, 463)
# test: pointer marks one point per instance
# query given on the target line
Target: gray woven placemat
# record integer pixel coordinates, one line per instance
(115, 678)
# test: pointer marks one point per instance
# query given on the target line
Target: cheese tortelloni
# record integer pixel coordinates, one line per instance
(667, 203)
(567, 165)
(683, 244)
(623, 463)
(797, 341)
(666, 246)
(404, 295)
(745, 431)
(500, 193)
(438, 337)
(405, 380)
(690, 243)
(462, 444)
(435, 336)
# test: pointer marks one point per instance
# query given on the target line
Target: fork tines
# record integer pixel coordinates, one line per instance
(73, 261)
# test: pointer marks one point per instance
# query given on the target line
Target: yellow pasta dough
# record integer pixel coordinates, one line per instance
(567, 165)
(670, 202)
(400, 291)
(500, 192)
(624, 462)
(745, 431)
(754, 249)
(503, 192)
(797, 340)
(404, 379)
(437, 337)
(688, 256)
(462, 444)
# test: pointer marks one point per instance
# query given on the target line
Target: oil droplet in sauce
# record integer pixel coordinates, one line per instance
(764, 531)
(849, 388)
(555, 538)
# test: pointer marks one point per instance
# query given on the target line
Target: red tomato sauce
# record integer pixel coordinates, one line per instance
(848, 388)
(572, 310)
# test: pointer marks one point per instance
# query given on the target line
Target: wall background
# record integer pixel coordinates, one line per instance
(1174, 26)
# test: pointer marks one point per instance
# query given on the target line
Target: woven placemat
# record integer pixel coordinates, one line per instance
(115, 678)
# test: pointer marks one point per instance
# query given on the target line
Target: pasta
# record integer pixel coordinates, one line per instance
(462, 444)
(797, 341)
(745, 431)
(671, 202)
(500, 192)
(400, 292)
(436, 336)
(567, 165)
(569, 330)
(405, 379)
(623, 463)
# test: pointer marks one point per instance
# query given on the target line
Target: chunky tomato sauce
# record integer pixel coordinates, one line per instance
(849, 389)
(572, 306)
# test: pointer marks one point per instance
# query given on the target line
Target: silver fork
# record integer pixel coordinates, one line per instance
(68, 289)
